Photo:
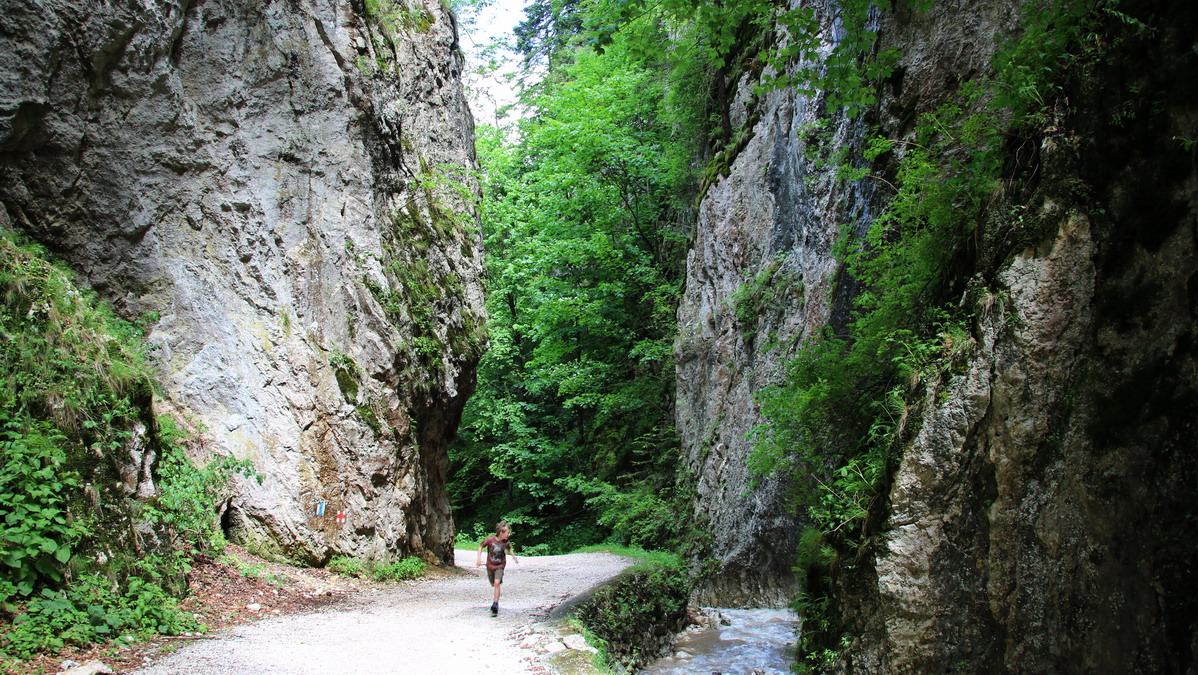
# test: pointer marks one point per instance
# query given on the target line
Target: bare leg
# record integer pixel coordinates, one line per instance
(496, 596)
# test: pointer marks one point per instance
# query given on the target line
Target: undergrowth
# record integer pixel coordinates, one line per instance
(632, 619)
(90, 549)
(405, 568)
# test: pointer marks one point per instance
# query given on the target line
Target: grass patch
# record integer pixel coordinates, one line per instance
(647, 559)
(406, 568)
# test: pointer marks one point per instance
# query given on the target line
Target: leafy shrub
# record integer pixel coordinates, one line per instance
(346, 566)
(641, 515)
(36, 536)
(469, 534)
(186, 492)
(581, 532)
(79, 563)
(93, 609)
(408, 568)
(636, 616)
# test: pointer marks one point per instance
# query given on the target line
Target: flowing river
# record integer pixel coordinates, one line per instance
(751, 641)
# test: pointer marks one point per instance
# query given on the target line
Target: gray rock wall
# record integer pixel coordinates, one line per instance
(1041, 517)
(281, 190)
(759, 276)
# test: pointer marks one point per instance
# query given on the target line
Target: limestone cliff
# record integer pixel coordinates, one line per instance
(282, 189)
(760, 276)
(1041, 518)
(1040, 515)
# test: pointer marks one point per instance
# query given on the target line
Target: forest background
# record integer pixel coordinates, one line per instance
(589, 192)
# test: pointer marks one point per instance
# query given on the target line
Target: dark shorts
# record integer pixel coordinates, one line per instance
(494, 575)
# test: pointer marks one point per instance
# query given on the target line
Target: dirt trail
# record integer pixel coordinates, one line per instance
(430, 626)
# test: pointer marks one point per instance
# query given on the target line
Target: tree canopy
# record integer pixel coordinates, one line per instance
(572, 423)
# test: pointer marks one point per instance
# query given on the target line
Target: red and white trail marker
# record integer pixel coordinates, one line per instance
(341, 517)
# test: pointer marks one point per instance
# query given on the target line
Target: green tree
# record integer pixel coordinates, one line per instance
(547, 30)
(584, 250)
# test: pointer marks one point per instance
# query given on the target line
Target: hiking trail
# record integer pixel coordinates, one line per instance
(428, 625)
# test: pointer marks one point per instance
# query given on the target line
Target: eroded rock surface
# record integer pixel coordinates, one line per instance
(1041, 515)
(280, 191)
(1037, 519)
(761, 275)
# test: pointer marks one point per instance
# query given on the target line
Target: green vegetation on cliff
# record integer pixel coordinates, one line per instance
(101, 509)
(853, 395)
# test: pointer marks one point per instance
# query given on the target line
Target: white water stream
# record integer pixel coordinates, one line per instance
(753, 641)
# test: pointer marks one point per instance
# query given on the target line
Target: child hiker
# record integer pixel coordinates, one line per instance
(497, 546)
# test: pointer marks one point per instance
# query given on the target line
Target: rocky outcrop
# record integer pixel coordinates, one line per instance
(282, 192)
(1040, 517)
(760, 276)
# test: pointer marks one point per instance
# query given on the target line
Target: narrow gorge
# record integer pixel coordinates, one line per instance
(884, 311)
(1036, 513)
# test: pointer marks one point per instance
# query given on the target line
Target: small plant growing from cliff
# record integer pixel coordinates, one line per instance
(768, 290)
(370, 418)
(348, 375)
(396, 16)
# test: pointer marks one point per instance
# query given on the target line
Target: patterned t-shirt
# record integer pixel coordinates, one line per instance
(496, 552)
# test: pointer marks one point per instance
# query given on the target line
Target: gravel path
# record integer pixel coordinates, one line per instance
(429, 626)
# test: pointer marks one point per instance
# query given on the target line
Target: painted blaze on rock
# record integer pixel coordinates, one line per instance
(284, 190)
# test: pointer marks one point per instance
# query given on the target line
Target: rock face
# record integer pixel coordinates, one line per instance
(281, 191)
(1041, 517)
(761, 275)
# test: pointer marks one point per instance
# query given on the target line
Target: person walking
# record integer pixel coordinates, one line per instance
(497, 545)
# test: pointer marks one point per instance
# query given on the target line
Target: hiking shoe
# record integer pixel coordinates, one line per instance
(494, 608)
